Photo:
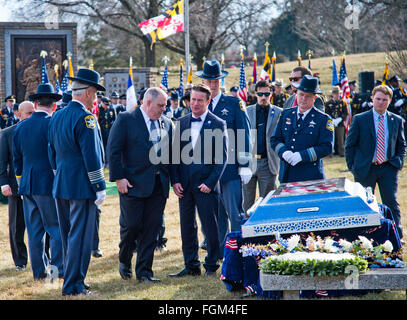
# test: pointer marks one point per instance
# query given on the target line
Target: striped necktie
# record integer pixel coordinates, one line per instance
(380, 144)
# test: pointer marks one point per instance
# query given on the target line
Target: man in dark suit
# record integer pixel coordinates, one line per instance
(237, 172)
(375, 149)
(139, 149)
(76, 156)
(9, 188)
(35, 177)
(195, 179)
(303, 136)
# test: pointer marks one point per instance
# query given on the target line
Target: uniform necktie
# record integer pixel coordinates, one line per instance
(380, 144)
(210, 107)
(299, 121)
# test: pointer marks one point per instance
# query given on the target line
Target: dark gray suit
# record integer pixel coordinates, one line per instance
(264, 171)
(360, 146)
(142, 207)
(319, 103)
(15, 203)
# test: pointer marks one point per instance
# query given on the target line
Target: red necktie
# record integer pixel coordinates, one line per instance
(380, 144)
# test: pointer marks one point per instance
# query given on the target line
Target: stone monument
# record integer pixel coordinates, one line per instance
(20, 62)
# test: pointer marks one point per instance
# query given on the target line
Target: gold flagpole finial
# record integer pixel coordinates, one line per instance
(69, 55)
(43, 53)
(165, 59)
(242, 48)
(91, 64)
(267, 44)
(65, 64)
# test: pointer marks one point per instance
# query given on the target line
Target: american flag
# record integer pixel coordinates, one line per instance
(164, 80)
(242, 93)
(44, 74)
(343, 80)
(64, 83)
(57, 87)
(181, 82)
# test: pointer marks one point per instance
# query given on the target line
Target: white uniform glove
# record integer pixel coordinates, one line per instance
(399, 103)
(287, 155)
(245, 175)
(337, 121)
(100, 197)
(295, 158)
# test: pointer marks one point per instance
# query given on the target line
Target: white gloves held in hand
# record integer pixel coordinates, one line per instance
(245, 175)
(100, 197)
(292, 158)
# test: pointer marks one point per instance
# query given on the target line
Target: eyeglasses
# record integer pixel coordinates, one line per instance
(295, 79)
(260, 94)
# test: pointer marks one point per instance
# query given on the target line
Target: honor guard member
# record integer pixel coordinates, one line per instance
(123, 104)
(303, 136)
(66, 98)
(399, 98)
(233, 91)
(186, 103)
(237, 171)
(14, 119)
(356, 98)
(107, 116)
(35, 178)
(76, 155)
(8, 112)
(337, 109)
(279, 96)
(174, 110)
(114, 99)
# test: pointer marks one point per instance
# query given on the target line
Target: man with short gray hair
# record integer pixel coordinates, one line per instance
(139, 152)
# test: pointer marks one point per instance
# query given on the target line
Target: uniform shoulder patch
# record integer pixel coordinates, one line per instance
(330, 125)
(90, 121)
(242, 106)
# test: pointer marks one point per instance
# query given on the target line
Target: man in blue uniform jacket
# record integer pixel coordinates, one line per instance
(375, 149)
(35, 176)
(195, 178)
(139, 150)
(232, 111)
(76, 153)
(303, 136)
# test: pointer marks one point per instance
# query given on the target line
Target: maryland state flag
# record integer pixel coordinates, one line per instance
(266, 71)
(164, 25)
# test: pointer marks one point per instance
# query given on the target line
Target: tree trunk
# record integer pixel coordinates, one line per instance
(149, 54)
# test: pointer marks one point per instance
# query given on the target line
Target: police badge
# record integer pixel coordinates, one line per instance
(90, 122)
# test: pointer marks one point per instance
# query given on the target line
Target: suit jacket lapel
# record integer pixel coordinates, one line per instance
(271, 118)
(140, 123)
(370, 123)
(391, 131)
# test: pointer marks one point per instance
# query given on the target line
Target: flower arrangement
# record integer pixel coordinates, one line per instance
(317, 256)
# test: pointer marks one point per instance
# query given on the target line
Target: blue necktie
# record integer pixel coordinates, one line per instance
(196, 119)
(210, 107)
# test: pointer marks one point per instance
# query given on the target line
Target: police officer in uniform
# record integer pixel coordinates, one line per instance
(303, 136)
(107, 116)
(279, 96)
(356, 98)
(336, 108)
(66, 97)
(76, 156)
(399, 98)
(8, 112)
(123, 104)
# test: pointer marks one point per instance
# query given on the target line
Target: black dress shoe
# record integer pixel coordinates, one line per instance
(97, 253)
(125, 271)
(210, 273)
(148, 279)
(185, 272)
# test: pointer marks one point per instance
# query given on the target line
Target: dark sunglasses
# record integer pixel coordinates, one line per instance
(260, 94)
(295, 79)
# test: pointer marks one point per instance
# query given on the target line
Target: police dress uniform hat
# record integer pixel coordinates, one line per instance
(45, 90)
(308, 84)
(234, 89)
(114, 95)
(174, 96)
(211, 71)
(67, 96)
(89, 77)
(335, 89)
(10, 98)
(278, 83)
(105, 100)
(353, 82)
(395, 78)
(123, 96)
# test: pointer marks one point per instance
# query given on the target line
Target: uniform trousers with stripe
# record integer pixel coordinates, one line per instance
(77, 224)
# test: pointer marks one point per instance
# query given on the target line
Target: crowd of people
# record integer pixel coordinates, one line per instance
(212, 148)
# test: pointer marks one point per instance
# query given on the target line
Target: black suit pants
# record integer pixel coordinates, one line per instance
(206, 204)
(141, 219)
(16, 230)
(386, 177)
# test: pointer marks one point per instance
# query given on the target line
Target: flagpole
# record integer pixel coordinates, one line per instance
(186, 30)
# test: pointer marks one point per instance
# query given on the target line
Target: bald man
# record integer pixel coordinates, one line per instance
(9, 189)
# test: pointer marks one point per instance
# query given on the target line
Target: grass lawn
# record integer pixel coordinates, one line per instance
(103, 272)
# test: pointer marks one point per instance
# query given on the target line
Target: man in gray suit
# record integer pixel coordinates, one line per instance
(263, 118)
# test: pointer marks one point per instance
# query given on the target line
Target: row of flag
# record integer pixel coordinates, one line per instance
(65, 83)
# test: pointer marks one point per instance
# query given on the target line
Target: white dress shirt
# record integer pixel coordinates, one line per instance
(196, 127)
